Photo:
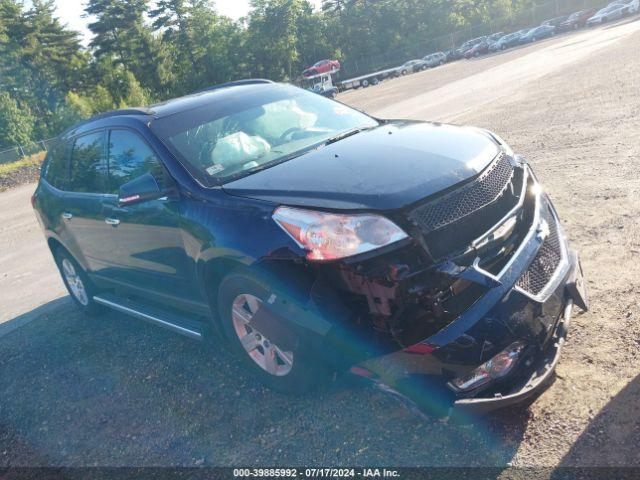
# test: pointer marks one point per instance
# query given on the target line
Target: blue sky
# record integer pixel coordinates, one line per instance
(70, 12)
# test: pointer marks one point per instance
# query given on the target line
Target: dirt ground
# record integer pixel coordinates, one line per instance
(119, 392)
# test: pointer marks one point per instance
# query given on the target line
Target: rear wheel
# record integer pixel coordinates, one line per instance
(77, 282)
(364, 83)
(276, 362)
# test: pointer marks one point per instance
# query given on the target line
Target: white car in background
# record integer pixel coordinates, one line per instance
(613, 11)
(435, 59)
(634, 6)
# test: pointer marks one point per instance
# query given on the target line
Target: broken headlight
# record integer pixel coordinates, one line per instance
(497, 367)
(329, 236)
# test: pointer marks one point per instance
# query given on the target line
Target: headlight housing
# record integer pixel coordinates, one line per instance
(330, 236)
(498, 367)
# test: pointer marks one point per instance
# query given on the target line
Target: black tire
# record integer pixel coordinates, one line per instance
(364, 83)
(375, 81)
(304, 375)
(403, 72)
(87, 305)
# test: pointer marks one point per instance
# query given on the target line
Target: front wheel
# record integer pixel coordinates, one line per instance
(78, 285)
(272, 354)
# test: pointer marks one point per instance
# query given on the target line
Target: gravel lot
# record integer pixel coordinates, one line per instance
(115, 391)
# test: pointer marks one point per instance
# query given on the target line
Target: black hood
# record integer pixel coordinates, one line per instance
(389, 167)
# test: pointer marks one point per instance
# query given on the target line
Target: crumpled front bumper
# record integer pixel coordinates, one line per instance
(421, 373)
(540, 372)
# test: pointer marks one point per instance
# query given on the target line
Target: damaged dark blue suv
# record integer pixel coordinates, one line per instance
(314, 239)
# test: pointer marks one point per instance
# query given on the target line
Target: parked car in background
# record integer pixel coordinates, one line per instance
(537, 33)
(509, 40)
(478, 49)
(323, 66)
(434, 59)
(554, 22)
(412, 66)
(310, 238)
(506, 41)
(494, 37)
(468, 45)
(576, 20)
(452, 55)
(613, 11)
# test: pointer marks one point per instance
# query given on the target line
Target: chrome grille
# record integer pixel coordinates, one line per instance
(464, 201)
(545, 263)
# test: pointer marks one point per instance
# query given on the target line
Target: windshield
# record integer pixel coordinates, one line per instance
(233, 137)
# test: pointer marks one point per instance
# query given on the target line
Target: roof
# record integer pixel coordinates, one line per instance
(176, 104)
(205, 96)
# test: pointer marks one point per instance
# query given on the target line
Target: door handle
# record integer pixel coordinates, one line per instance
(67, 215)
(112, 221)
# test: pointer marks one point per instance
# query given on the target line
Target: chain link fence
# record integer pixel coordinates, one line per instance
(16, 153)
(524, 19)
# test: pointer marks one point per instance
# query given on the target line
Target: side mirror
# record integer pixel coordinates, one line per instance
(140, 189)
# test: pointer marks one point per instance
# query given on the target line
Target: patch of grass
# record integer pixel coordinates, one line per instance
(31, 160)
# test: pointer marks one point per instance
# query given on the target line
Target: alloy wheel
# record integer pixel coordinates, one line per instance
(75, 282)
(264, 353)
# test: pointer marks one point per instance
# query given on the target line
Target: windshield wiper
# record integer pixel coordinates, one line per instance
(346, 134)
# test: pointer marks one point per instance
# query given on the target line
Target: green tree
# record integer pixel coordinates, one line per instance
(122, 37)
(273, 36)
(16, 124)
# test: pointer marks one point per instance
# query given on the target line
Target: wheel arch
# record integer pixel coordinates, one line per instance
(54, 244)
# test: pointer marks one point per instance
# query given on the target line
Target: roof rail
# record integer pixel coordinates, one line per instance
(123, 111)
(112, 113)
(235, 83)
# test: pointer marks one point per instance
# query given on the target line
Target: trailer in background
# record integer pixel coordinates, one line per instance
(369, 79)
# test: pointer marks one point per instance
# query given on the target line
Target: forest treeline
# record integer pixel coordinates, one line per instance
(143, 51)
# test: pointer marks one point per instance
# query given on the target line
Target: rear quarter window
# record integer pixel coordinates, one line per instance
(56, 165)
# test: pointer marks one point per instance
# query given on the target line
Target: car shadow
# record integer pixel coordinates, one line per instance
(114, 391)
(609, 438)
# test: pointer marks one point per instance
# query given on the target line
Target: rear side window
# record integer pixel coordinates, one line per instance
(56, 170)
(129, 158)
(88, 168)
